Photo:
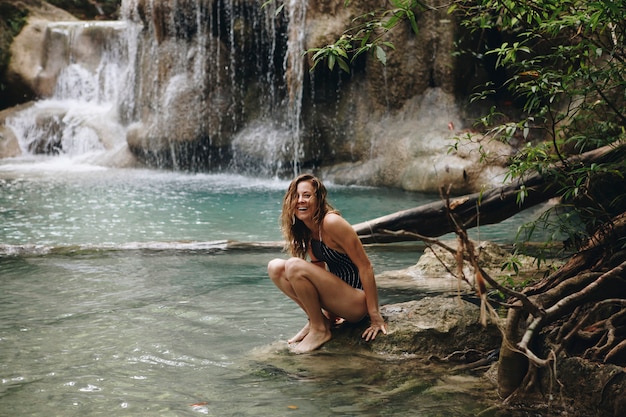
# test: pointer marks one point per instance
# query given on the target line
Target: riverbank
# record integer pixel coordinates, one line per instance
(439, 334)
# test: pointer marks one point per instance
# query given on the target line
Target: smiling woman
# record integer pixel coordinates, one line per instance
(339, 281)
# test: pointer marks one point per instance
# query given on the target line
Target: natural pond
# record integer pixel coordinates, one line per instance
(120, 296)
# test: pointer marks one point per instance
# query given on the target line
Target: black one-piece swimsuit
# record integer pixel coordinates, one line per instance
(338, 263)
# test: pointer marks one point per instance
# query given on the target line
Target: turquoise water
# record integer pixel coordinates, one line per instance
(120, 296)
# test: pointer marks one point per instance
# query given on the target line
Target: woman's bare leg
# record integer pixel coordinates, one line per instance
(276, 271)
(319, 326)
(318, 289)
(314, 289)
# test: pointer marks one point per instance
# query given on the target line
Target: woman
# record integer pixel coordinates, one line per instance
(339, 281)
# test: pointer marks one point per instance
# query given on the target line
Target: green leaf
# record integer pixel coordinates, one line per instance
(411, 16)
(343, 65)
(342, 52)
(381, 55)
(331, 61)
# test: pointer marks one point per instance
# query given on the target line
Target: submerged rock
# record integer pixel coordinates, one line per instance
(439, 326)
(412, 363)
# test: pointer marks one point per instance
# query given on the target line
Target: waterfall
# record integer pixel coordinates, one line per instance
(294, 75)
(222, 85)
(210, 86)
(88, 64)
(202, 85)
(269, 141)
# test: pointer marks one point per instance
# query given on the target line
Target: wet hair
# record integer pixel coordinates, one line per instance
(297, 235)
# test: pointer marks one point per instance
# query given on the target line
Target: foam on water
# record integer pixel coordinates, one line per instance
(48, 165)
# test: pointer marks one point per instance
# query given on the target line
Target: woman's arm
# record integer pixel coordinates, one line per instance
(338, 234)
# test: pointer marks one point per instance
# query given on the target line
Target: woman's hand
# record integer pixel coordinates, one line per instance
(377, 325)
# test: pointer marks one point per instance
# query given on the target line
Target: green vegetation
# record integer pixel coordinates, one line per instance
(368, 35)
(12, 22)
(564, 67)
(555, 74)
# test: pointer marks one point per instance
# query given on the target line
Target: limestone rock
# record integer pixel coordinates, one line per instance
(414, 149)
(9, 146)
(204, 93)
(28, 52)
(429, 270)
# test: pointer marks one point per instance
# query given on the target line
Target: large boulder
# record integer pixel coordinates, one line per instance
(24, 76)
(416, 149)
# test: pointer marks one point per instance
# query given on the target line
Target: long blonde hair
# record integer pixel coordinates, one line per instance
(296, 234)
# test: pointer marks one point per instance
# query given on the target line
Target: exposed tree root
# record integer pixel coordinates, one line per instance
(574, 301)
(579, 310)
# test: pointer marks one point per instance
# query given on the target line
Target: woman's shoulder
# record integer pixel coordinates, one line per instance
(338, 233)
(333, 222)
(333, 217)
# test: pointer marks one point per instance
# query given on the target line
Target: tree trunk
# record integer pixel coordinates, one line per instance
(489, 207)
(512, 365)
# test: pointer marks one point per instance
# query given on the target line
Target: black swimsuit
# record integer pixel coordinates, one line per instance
(338, 263)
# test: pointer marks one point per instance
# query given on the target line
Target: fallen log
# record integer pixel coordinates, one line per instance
(488, 207)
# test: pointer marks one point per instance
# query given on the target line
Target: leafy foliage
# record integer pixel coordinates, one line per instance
(367, 35)
(566, 64)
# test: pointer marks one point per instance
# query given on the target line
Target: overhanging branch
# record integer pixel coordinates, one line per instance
(488, 207)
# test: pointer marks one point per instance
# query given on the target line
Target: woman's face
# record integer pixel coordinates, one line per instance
(306, 202)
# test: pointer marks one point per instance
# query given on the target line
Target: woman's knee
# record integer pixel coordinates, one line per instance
(294, 266)
(275, 268)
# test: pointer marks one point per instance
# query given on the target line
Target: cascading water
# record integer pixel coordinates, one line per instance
(91, 66)
(215, 99)
(181, 84)
(294, 75)
(222, 85)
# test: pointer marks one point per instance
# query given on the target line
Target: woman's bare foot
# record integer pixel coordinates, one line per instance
(301, 334)
(313, 340)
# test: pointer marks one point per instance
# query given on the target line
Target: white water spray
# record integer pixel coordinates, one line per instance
(90, 63)
(294, 76)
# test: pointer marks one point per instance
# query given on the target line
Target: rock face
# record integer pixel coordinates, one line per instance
(435, 325)
(393, 125)
(224, 86)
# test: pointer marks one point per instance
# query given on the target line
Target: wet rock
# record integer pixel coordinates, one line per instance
(29, 55)
(430, 273)
(437, 325)
(9, 145)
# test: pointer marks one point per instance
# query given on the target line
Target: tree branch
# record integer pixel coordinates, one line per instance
(488, 207)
